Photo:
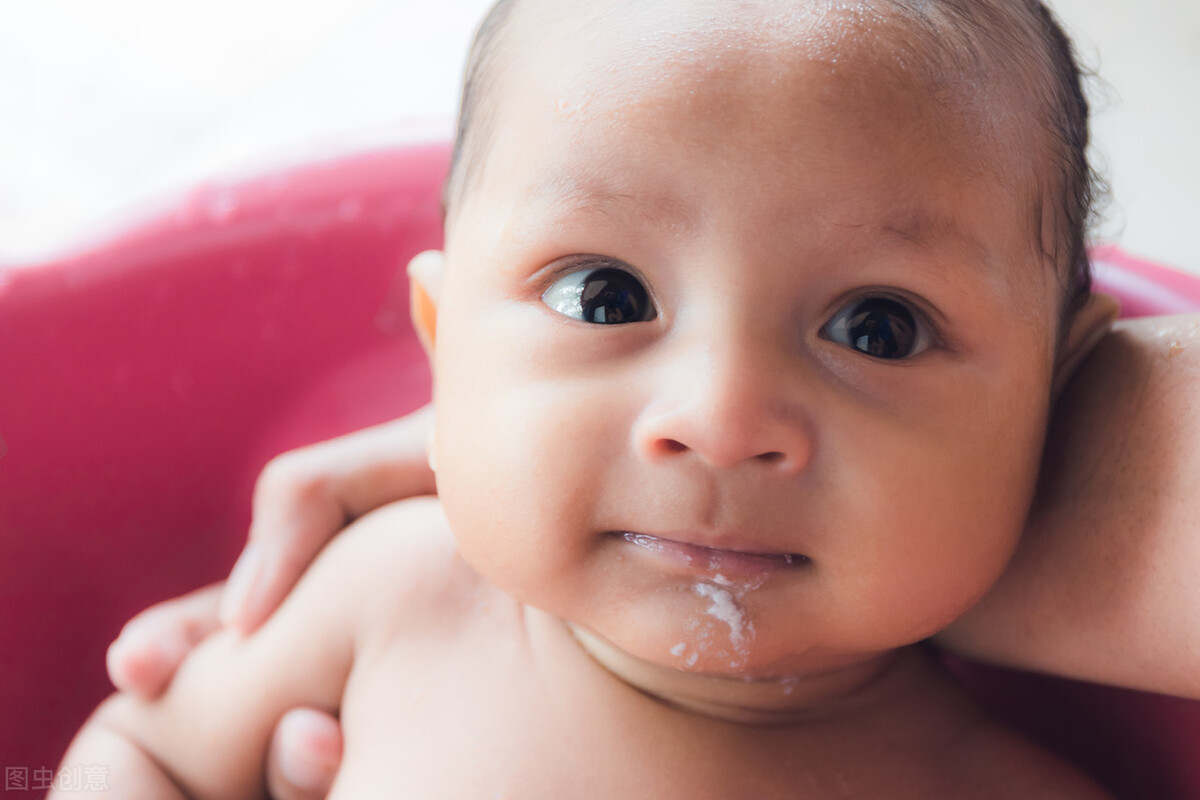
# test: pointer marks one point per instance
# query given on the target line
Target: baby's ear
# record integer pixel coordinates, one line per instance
(1088, 327)
(425, 289)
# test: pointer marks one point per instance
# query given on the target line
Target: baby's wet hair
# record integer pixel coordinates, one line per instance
(989, 40)
(979, 40)
(474, 129)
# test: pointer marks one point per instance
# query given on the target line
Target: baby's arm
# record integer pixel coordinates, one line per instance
(208, 734)
(1103, 586)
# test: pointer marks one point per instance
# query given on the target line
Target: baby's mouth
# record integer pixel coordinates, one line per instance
(714, 561)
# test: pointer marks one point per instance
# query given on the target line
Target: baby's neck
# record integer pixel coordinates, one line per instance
(780, 701)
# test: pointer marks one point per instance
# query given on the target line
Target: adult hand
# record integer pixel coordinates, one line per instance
(305, 496)
(302, 499)
(306, 748)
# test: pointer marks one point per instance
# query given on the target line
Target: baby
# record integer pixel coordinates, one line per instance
(744, 343)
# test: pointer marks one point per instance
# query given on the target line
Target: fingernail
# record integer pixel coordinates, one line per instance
(244, 580)
(308, 752)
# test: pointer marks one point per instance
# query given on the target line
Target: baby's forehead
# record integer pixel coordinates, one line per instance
(663, 23)
(577, 63)
(867, 46)
(594, 62)
(912, 35)
(620, 35)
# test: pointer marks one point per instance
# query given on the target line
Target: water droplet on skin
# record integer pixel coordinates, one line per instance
(678, 649)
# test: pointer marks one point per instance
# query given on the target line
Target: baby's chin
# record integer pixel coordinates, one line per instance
(712, 636)
(710, 631)
(732, 685)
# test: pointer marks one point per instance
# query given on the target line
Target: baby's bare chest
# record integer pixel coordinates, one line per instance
(478, 718)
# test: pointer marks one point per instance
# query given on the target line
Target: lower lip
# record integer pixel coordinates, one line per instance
(712, 560)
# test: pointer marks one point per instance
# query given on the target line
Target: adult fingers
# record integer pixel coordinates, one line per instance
(152, 645)
(304, 497)
(296, 511)
(305, 753)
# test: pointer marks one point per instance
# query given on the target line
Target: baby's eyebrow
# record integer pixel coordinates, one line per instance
(562, 195)
(923, 226)
(904, 221)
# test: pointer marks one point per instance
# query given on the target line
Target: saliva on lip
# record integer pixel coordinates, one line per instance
(651, 543)
(656, 545)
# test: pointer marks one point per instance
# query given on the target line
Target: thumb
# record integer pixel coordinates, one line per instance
(306, 751)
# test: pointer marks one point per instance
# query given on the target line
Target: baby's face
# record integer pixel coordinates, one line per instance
(744, 353)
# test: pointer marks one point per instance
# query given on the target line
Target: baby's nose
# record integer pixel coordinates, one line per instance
(728, 408)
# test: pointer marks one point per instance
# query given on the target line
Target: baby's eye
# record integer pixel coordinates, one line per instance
(606, 295)
(880, 327)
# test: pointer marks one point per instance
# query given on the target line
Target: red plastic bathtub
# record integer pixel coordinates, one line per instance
(146, 379)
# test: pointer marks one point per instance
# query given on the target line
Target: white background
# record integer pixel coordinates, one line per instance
(106, 105)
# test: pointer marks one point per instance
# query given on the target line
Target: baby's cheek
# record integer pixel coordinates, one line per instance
(940, 541)
(509, 498)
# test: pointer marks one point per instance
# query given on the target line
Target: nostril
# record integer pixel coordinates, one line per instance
(672, 446)
(773, 457)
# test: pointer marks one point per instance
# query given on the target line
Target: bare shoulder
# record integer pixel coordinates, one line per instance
(1013, 767)
(401, 569)
(406, 530)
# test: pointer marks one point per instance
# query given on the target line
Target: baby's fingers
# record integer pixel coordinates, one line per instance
(154, 643)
